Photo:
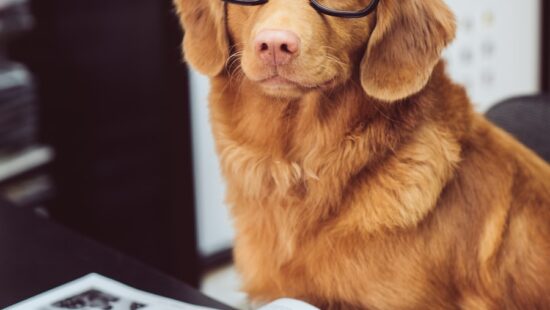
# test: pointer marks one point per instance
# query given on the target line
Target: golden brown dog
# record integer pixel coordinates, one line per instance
(358, 175)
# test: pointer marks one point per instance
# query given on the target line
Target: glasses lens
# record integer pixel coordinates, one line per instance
(347, 6)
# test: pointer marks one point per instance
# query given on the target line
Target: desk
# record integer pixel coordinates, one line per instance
(37, 255)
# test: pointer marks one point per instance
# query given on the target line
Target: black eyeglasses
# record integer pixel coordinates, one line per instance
(328, 7)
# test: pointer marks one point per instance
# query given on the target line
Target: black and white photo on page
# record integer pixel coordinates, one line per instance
(96, 292)
(95, 299)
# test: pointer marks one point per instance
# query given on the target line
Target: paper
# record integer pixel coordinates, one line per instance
(95, 292)
(288, 304)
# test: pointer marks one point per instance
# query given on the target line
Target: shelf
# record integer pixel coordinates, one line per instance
(16, 164)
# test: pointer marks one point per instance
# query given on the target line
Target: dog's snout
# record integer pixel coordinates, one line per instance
(277, 47)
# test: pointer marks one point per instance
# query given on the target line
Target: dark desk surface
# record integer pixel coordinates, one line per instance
(37, 255)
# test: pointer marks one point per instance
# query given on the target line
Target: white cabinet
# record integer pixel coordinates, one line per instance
(496, 53)
(214, 229)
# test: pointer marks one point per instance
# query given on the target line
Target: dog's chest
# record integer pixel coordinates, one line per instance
(285, 191)
(332, 269)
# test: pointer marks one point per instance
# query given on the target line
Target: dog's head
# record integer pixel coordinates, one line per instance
(289, 48)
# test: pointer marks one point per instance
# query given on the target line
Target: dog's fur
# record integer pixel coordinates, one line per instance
(369, 183)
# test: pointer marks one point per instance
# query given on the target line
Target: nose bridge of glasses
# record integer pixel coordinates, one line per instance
(268, 3)
(284, 15)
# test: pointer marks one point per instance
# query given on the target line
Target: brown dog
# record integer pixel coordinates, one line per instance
(359, 176)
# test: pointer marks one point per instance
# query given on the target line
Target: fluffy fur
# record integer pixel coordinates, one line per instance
(368, 182)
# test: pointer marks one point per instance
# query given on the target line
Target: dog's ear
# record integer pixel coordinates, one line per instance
(405, 46)
(205, 44)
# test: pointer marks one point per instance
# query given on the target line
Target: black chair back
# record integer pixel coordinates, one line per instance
(526, 118)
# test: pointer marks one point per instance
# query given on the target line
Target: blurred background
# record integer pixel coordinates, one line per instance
(104, 130)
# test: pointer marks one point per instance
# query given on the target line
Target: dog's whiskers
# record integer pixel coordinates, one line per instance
(233, 67)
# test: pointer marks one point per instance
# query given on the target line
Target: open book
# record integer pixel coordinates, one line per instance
(96, 292)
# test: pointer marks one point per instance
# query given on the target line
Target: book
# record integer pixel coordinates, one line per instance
(96, 292)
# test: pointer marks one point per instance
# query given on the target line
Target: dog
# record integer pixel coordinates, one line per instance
(358, 174)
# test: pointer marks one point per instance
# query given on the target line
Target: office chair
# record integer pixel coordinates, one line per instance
(526, 118)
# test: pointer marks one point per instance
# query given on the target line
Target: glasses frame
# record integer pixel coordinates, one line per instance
(319, 8)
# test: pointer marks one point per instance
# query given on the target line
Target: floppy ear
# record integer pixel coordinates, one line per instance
(405, 46)
(205, 44)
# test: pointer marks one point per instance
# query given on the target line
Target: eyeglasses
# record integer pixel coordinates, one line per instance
(327, 7)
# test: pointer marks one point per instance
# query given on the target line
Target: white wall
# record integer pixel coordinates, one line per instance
(496, 54)
(213, 223)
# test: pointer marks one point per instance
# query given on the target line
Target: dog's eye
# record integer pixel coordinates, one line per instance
(345, 8)
(353, 5)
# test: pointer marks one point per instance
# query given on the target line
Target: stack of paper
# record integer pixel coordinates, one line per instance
(95, 292)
